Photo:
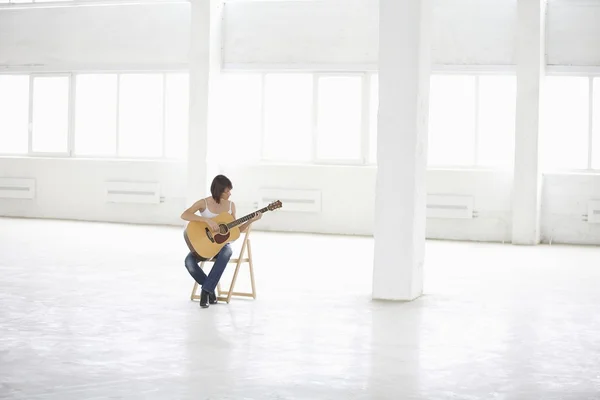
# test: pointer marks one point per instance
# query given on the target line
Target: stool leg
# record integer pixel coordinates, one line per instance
(193, 296)
(251, 266)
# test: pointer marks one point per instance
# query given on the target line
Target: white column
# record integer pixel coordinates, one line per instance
(530, 75)
(205, 63)
(404, 71)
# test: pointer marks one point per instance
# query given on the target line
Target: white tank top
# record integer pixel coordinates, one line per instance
(209, 214)
(206, 213)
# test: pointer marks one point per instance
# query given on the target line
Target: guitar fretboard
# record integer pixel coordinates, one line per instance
(246, 218)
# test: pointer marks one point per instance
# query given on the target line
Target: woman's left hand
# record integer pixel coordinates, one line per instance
(256, 217)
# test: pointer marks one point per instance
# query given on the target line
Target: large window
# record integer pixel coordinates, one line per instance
(570, 137)
(14, 114)
(472, 121)
(332, 118)
(238, 119)
(176, 115)
(50, 115)
(452, 127)
(496, 112)
(143, 115)
(96, 115)
(288, 117)
(339, 117)
(295, 117)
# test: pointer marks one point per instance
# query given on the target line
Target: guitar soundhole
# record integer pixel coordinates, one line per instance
(223, 229)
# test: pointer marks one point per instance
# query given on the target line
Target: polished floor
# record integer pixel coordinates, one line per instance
(102, 311)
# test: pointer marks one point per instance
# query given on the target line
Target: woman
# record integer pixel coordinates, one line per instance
(210, 207)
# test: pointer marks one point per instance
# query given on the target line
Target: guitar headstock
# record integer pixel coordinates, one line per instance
(274, 205)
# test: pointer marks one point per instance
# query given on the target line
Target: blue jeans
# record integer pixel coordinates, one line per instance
(209, 283)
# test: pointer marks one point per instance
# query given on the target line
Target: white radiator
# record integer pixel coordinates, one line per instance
(133, 192)
(449, 206)
(17, 188)
(295, 200)
(594, 212)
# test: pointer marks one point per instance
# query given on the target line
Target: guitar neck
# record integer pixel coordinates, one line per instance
(246, 218)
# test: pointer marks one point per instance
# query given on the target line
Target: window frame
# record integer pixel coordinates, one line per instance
(29, 94)
(163, 127)
(72, 81)
(365, 76)
(263, 87)
(74, 93)
(476, 74)
(590, 73)
(69, 149)
(364, 128)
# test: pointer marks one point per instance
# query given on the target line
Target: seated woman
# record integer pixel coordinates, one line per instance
(210, 207)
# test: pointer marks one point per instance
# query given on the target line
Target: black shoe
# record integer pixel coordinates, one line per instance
(204, 299)
(212, 298)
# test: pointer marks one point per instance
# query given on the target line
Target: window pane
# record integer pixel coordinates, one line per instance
(140, 115)
(176, 115)
(497, 107)
(373, 115)
(596, 126)
(339, 118)
(50, 114)
(452, 121)
(566, 123)
(96, 115)
(288, 117)
(14, 114)
(239, 116)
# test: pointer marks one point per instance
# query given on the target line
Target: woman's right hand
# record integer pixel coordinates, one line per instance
(212, 225)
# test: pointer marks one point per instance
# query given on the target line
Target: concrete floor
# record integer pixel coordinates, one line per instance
(97, 311)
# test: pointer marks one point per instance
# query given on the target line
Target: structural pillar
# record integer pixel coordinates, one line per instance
(530, 74)
(400, 213)
(205, 64)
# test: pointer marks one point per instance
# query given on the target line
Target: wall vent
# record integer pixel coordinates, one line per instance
(295, 200)
(17, 188)
(133, 192)
(449, 206)
(593, 215)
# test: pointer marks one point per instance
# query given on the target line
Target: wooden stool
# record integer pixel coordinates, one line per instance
(239, 260)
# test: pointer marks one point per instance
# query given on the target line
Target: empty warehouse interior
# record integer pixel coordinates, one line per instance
(299, 199)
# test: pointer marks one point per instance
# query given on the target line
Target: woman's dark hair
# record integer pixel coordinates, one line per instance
(219, 184)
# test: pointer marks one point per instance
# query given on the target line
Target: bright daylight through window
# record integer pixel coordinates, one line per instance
(291, 117)
(127, 115)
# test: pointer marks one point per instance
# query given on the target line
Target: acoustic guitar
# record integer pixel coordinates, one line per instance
(206, 244)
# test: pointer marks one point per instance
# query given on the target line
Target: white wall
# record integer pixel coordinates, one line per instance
(74, 189)
(348, 199)
(564, 203)
(345, 33)
(95, 37)
(573, 33)
(303, 32)
(474, 32)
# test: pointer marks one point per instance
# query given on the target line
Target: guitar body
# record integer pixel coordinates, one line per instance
(207, 244)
